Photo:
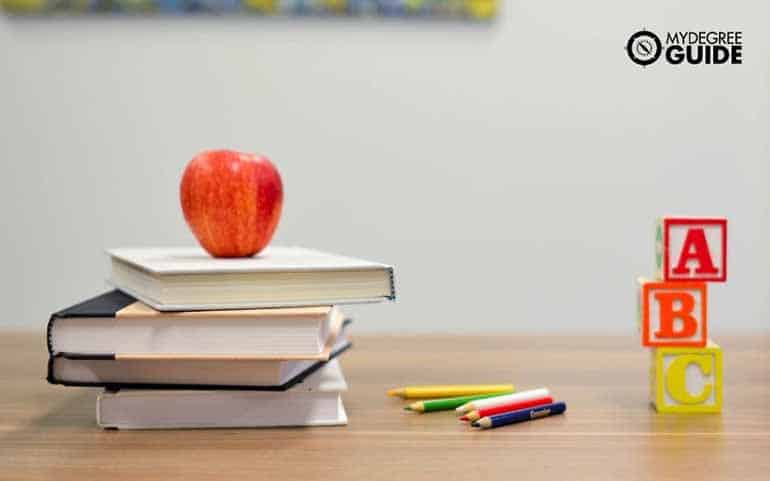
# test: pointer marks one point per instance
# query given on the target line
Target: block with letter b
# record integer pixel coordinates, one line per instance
(686, 379)
(691, 249)
(673, 313)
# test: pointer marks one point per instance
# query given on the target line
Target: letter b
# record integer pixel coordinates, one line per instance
(673, 313)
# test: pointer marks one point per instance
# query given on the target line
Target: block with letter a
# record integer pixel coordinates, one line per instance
(691, 249)
(673, 313)
(686, 379)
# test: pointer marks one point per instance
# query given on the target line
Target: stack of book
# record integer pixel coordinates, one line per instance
(187, 340)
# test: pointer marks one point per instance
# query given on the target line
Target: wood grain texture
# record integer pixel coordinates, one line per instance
(609, 431)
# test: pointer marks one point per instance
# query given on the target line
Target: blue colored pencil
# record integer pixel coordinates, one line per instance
(520, 415)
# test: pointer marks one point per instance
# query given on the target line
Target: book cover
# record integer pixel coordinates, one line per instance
(187, 278)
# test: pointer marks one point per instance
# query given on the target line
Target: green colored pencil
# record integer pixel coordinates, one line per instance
(448, 403)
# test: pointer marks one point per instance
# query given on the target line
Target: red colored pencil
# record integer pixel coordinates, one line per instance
(504, 408)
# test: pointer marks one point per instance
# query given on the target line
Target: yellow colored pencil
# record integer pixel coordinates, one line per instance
(449, 390)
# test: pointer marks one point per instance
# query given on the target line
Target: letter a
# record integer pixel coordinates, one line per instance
(695, 248)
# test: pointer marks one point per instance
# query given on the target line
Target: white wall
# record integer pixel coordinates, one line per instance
(511, 173)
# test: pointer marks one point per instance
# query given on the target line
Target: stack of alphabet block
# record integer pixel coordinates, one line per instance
(686, 365)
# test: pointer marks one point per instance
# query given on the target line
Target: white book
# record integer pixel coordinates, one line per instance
(187, 278)
(116, 325)
(315, 402)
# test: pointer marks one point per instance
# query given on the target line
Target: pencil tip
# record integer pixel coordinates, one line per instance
(396, 392)
(407, 408)
(475, 424)
(463, 418)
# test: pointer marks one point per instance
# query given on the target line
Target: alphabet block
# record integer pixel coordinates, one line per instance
(686, 379)
(673, 313)
(691, 249)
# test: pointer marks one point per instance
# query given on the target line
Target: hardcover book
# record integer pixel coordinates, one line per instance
(115, 326)
(184, 279)
(315, 402)
(229, 374)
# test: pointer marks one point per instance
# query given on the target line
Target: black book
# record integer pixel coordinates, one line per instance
(146, 349)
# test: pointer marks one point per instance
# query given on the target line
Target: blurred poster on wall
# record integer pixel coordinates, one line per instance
(452, 9)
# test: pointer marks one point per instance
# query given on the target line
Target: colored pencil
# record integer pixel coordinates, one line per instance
(504, 408)
(444, 404)
(521, 415)
(451, 390)
(498, 400)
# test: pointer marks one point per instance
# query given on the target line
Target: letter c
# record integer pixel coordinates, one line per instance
(676, 380)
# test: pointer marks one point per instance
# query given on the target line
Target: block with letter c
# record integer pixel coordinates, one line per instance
(686, 380)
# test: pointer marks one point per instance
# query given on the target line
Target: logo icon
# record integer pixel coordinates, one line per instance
(644, 47)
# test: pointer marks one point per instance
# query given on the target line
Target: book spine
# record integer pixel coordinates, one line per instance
(48, 333)
(50, 377)
(392, 296)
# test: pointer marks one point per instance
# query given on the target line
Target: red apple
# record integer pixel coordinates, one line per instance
(232, 201)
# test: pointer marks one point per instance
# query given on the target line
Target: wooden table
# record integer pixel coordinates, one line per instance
(609, 432)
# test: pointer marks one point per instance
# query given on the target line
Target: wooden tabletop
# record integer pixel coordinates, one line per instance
(609, 431)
